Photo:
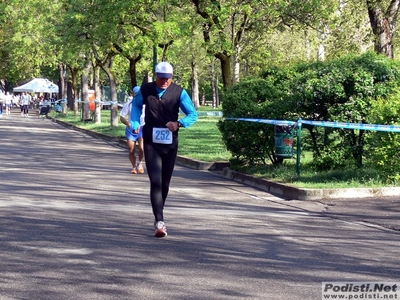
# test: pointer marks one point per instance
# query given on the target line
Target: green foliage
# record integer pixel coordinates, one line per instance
(28, 39)
(331, 159)
(252, 143)
(383, 147)
(351, 89)
(342, 90)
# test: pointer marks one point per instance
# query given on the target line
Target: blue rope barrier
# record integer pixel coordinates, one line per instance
(266, 121)
(343, 125)
(300, 122)
(373, 127)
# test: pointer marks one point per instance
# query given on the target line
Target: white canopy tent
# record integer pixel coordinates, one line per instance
(37, 85)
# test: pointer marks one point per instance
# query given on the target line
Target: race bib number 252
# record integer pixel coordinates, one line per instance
(162, 136)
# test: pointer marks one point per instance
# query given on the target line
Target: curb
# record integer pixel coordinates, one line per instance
(201, 165)
(89, 132)
(289, 192)
(285, 191)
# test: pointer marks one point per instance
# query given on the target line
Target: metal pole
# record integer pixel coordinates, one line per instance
(298, 147)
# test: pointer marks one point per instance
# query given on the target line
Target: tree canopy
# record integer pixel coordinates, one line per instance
(243, 36)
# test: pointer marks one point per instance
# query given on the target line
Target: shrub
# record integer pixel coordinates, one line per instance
(342, 90)
(251, 142)
(383, 151)
(350, 89)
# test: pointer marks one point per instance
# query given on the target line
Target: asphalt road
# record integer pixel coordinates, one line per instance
(75, 224)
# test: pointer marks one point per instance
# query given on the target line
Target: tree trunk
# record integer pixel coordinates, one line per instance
(246, 67)
(132, 73)
(114, 99)
(307, 44)
(195, 86)
(84, 91)
(383, 25)
(236, 65)
(67, 105)
(213, 88)
(61, 82)
(106, 65)
(73, 91)
(113, 91)
(132, 70)
(65, 89)
(322, 42)
(212, 19)
(132, 64)
(98, 105)
(225, 69)
(74, 104)
(216, 93)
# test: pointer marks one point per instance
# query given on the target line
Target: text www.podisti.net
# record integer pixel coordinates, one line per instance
(360, 290)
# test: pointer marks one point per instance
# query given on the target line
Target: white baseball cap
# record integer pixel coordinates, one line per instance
(164, 70)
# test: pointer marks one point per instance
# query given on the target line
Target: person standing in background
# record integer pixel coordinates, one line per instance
(21, 106)
(8, 102)
(2, 99)
(26, 102)
(162, 100)
(132, 138)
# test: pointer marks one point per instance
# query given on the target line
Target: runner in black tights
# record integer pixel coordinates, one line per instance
(163, 99)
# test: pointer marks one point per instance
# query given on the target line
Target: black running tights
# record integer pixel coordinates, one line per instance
(160, 162)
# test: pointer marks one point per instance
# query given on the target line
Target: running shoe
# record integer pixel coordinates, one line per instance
(134, 171)
(161, 229)
(140, 169)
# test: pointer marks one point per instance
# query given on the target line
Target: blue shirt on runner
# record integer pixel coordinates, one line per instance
(186, 105)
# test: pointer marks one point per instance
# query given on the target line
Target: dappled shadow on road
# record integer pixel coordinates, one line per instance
(59, 253)
(382, 211)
